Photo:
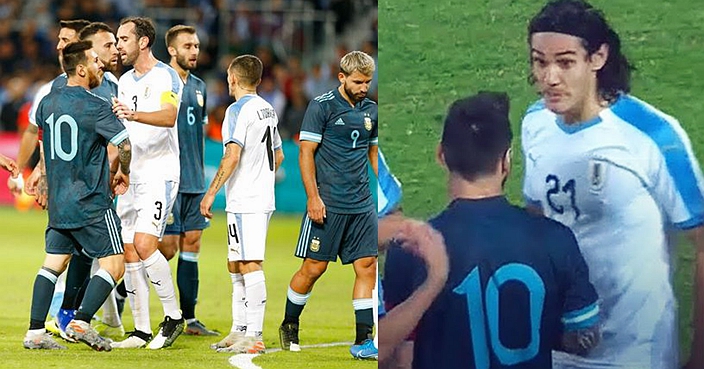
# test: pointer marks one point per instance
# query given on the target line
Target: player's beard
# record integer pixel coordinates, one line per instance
(355, 98)
(94, 80)
(184, 63)
(129, 59)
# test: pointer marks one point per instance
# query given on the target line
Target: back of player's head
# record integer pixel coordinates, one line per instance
(94, 28)
(73, 54)
(357, 61)
(74, 24)
(143, 27)
(477, 134)
(174, 31)
(579, 18)
(248, 69)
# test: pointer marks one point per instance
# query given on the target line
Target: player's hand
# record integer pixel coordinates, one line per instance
(10, 165)
(206, 205)
(121, 110)
(316, 210)
(120, 183)
(42, 191)
(424, 241)
(30, 186)
(15, 185)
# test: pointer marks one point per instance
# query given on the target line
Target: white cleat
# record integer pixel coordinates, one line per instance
(136, 340)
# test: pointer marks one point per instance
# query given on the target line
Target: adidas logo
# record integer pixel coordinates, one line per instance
(339, 122)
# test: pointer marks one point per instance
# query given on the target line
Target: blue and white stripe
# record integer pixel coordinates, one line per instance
(48, 275)
(310, 136)
(303, 238)
(102, 273)
(238, 220)
(389, 189)
(325, 97)
(113, 232)
(233, 112)
(118, 138)
(582, 318)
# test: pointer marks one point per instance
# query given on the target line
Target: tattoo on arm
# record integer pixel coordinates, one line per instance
(219, 179)
(125, 155)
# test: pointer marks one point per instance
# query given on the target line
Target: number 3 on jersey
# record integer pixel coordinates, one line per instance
(477, 301)
(55, 137)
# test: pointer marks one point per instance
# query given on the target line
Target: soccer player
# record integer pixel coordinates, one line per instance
(78, 125)
(153, 91)
(185, 225)
(619, 173)
(103, 41)
(252, 155)
(518, 285)
(338, 138)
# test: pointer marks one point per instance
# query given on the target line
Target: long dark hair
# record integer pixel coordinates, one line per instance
(579, 18)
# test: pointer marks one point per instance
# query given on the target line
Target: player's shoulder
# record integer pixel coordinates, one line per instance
(109, 77)
(324, 99)
(127, 76)
(197, 81)
(636, 113)
(59, 82)
(237, 107)
(535, 114)
(167, 69)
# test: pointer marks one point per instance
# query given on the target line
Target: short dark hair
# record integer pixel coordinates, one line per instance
(248, 69)
(477, 134)
(74, 24)
(143, 27)
(579, 18)
(73, 54)
(174, 31)
(94, 28)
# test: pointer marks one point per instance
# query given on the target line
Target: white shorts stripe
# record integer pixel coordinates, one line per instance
(112, 226)
(113, 242)
(302, 248)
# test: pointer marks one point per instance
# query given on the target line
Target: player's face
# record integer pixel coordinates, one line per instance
(127, 43)
(66, 35)
(104, 46)
(95, 69)
(187, 48)
(356, 85)
(564, 74)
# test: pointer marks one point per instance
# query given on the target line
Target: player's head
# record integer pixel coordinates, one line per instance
(81, 61)
(68, 32)
(245, 72)
(477, 137)
(183, 45)
(356, 71)
(576, 56)
(135, 34)
(103, 39)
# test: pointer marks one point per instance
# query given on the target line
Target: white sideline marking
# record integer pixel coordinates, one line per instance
(244, 361)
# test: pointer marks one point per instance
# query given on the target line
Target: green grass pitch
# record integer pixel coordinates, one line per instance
(434, 52)
(329, 316)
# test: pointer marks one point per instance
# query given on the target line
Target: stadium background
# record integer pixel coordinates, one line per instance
(300, 42)
(434, 52)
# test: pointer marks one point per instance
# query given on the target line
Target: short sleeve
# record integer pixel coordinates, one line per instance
(530, 195)
(108, 125)
(277, 139)
(374, 137)
(313, 125)
(236, 126)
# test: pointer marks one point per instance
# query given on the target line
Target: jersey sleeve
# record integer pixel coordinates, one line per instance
(580, 309)
(43, 91)
(374, 137)
(236, 126)
(403, 273)
(108, 125)
(171, 92)
(530, 195)
(313, 125)
(389, 191)
(676, 177)
(277, 139)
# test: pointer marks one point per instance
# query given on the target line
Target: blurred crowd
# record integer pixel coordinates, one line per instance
(292, 76)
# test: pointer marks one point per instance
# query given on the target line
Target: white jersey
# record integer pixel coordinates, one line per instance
(251, 123)
(619, 182)
(41, 93)
(155, 151)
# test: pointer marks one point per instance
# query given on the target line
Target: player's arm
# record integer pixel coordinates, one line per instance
(36, 183)
(166, 117)
(28, 144)
(121, 176)
(421, 240)
(306, 158)
(279, 155)
(9, 165)
(696, 360)
(228, 163)
(373, 155)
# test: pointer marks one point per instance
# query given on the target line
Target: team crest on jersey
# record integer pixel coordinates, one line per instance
(597, 175)
(199, 98)
(315, 244)
(368, 123)
(147, 92)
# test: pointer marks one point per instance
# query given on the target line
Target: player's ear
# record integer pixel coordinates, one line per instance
(143, 42)
(506, 163)
(599, 58)
(440, 157)
(171, 50)
(341, 77)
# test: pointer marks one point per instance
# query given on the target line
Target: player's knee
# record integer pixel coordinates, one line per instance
(365, 267)
(313, 269)
(191, 242)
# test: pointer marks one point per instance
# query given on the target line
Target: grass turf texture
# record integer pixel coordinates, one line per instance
(328, 317)
(434, 52)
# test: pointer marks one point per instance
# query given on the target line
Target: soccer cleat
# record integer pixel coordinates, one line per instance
(365, 350)
(247, 345)
(63, 317)
(41, 341)
(136, 339)
(197, 328)
(169, 330)
(228, 341)
(106, 330)
(288, 336)
(82, 331)
(52, 327)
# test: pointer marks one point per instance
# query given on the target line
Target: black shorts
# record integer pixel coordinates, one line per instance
(351, 236)
(185, 215)
(96, 240)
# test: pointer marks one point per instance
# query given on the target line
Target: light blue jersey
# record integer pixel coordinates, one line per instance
(389, 198)
(619, 182)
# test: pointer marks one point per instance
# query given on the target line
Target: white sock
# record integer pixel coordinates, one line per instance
(255, 294)
(138, 295)
(159, 273)
(110, 315)
(239, 316)
(375, 296)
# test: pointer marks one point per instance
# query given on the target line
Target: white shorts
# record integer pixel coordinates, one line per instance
(145, 207)
(246, 236)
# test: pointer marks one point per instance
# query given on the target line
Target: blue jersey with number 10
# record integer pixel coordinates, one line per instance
(516, 282)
